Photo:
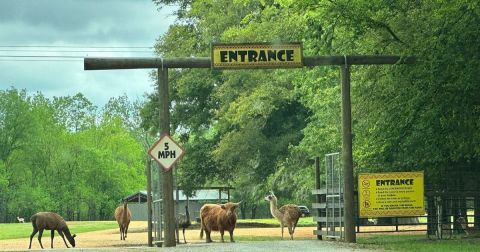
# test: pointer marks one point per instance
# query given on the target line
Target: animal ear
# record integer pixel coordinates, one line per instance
(74, 235)
(271, 192)
(222, 206)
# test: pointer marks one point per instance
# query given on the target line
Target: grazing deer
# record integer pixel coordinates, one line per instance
(20, 219)
(50, 221)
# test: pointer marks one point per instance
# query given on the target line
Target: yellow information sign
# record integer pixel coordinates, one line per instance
(391, 194)
(260, 55)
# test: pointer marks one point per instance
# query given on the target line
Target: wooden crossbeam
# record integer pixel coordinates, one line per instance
(106, 63)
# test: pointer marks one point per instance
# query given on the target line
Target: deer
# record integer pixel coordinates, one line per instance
(50, 221)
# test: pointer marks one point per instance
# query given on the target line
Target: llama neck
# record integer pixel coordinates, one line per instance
(274, 210)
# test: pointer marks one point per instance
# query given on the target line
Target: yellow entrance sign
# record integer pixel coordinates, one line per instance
(261, 55)
(391, 194)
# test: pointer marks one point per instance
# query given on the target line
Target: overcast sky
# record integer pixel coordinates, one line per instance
(68, 24)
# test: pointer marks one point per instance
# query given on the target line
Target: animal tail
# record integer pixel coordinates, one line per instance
(33, 219)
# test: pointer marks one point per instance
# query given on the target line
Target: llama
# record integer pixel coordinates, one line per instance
(183, 221)
(50, 221)
(123, 217)
(20, 220)
(287, 215)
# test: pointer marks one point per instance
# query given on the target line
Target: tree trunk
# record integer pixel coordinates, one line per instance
(243, 209)
(431, 212)
(254, 211)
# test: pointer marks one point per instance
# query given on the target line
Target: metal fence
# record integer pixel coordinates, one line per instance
(441, 220)
(444, 210)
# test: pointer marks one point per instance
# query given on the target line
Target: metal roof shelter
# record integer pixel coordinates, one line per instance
(199, 195)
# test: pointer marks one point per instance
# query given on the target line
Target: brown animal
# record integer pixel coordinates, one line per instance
(218, 217)
(50, 221)
(123, 217)
(287, 215)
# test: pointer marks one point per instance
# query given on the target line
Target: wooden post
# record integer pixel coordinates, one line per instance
(177, 198)
(349, 208)
(149, 201)
(167, 178)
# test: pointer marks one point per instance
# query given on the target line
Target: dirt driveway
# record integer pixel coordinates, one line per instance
(138, 237)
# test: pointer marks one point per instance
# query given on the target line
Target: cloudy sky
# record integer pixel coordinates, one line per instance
(73, 29)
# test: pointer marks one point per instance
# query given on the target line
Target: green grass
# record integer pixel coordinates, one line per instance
(418, 243)
(23, 230)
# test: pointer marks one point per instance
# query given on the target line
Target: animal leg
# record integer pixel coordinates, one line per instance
(221, 235)
(40, 233)
(231, 235)
(31, 237)
(207, 232)
(184, 236)
(121, 233)
(281, 225)
(63, 237)
(126, 231)
(290, 231)
(52, 233)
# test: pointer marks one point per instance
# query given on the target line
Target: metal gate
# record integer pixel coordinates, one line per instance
(157, 209)
(334, 196)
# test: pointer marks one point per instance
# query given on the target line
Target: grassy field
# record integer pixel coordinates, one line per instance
(22, 230)
(419, 243)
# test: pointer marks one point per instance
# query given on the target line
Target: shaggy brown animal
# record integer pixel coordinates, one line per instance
(50, 221)
(123, 217)
(218, 217)
(286, 215)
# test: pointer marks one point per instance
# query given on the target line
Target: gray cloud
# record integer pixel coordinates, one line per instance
(78, 22)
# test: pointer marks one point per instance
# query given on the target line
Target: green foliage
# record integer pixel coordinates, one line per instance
(261, 129)
(56, 157)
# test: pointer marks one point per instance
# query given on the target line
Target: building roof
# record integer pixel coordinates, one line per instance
(199, 195)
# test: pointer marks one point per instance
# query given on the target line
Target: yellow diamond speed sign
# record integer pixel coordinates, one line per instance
(166, 152)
